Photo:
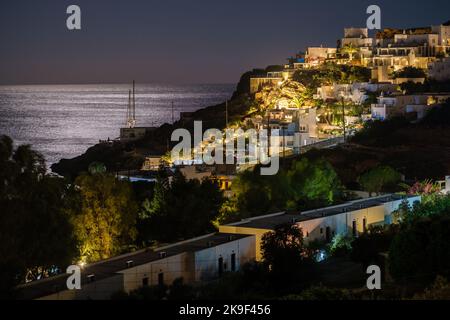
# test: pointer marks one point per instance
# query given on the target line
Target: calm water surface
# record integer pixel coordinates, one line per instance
(62, 121)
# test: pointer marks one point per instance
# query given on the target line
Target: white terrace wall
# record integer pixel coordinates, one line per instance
(172, 267)
(207, 260)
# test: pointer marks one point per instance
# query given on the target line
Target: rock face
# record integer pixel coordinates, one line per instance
(285, 95)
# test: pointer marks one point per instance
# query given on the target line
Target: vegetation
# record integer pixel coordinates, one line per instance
(366, 248)
(425, 187)
(341, 245)
(421, 250)
(321, 293)
(374, 132)
(440, 290)
(285, 255)
(36, 236)
(314, 183)
(374, 180)
(105, 222)
(47, 222)
(180, 209)
(409, 72)
(331, 73)
(429, 85)
(306, 184)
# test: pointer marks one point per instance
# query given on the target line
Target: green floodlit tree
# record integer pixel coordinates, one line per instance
(313, 183)
(105, 222)
(307, 184)
(374, 180)
(36, 237)
(96, 168)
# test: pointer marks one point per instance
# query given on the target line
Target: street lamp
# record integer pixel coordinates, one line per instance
(343, 112)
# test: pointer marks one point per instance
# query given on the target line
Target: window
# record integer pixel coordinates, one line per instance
(161, 278)
(354, 231)
(321, 230)
(233, 262)
(145, 282)
(364, 225)
(220, 266)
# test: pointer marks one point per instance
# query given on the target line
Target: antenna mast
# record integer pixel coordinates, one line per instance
(134, 105)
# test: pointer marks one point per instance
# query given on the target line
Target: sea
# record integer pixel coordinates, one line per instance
(62, 121)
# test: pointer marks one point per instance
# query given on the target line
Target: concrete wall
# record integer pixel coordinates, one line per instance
(342, 223)
(258, 233)
(339, 223)
(207, 260)
(440, 70)
(173, 267)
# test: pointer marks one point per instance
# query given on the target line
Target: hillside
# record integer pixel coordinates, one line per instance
(130, 156)
(417, 150)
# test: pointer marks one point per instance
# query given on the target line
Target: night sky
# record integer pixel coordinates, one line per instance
(178, 41)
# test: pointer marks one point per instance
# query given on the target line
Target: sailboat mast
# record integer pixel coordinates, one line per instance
(129, 109)
(134, 103)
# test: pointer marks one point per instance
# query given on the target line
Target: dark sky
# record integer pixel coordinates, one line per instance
(178, 41)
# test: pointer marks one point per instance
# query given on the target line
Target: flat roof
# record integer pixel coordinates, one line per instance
(271, 221)
(109, 268)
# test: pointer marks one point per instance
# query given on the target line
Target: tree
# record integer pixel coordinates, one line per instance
(181, 209)
(313, 183)
(105, 222)
(421, 250)
(341, 245)
(36, 237)
(256, 194)
(379, 177)
(409, 72)
(367, 247)
(289, 262)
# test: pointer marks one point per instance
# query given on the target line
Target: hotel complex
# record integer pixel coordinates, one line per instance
(208, 257)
